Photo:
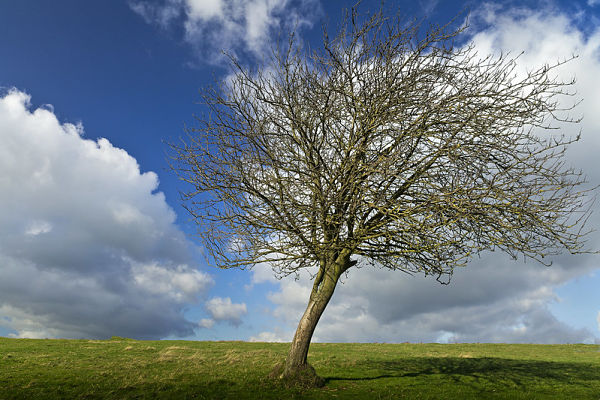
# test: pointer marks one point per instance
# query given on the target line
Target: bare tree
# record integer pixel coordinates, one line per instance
(388, 145)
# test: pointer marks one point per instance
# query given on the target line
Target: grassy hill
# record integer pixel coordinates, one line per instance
(130, 369)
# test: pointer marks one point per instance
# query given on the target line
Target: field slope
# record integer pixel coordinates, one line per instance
(130, 369)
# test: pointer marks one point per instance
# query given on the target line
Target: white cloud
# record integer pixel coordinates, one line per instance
(493, 299)
(38, 227)
(232, 25)
(593, 3)
(25, 326)
(271, 337)
(88, 248)
(181, 283)
(222, 309)
(163, 16)
(263, 273)
(206, 323)
(204, 9)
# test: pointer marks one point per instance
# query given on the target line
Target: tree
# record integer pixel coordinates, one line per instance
(387, 146)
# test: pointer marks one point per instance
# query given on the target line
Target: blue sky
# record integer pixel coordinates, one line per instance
(89, 93)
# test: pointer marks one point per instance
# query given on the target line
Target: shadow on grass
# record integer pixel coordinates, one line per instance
(511, 372)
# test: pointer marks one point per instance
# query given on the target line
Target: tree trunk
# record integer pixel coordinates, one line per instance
(296, 367)
(306, 327)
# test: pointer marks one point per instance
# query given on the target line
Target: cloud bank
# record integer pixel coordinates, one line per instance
(493, 299)
(236, 26)
(88, 247)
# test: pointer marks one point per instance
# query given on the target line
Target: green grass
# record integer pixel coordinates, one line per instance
(130, 369)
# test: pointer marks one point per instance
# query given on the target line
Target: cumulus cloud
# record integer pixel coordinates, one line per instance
(271, 337)
(206, 323)
(246, 26)
(222, 309)
(180, 283)
(493, 299)
(88, 247)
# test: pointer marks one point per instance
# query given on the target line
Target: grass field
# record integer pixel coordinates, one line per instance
(130, 369)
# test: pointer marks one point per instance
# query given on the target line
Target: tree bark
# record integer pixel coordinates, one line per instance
(325, 282)
(297, 356)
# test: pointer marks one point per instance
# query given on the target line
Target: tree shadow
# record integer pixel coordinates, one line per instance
(500, 370)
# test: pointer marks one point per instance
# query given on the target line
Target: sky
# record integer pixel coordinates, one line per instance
(94, 241)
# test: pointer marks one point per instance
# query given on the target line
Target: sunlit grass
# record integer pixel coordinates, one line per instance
(129, 369)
